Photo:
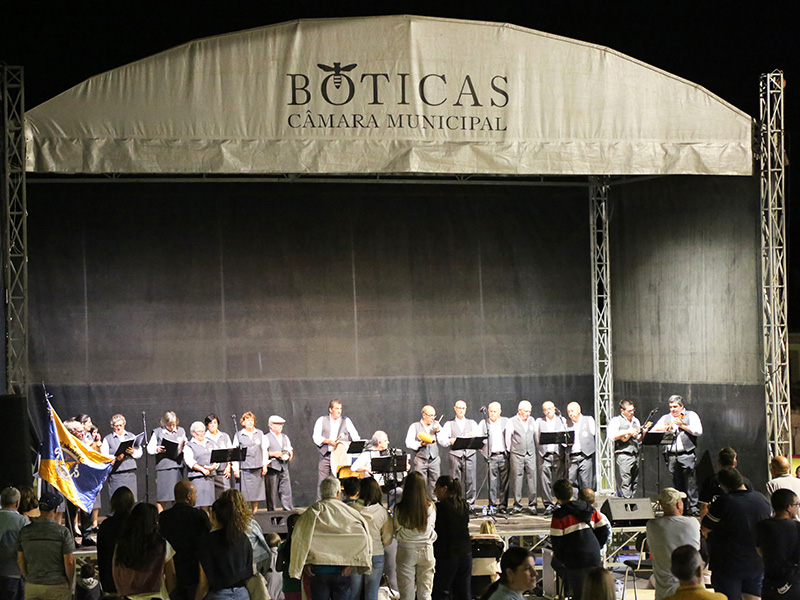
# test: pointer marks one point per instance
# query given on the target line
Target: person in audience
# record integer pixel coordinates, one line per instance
(576, 535)
(87, 587)
(11, 523)
(291, 586)
(781, 470)
(778, 542)
(710, 490)
(226, 556)
(329, 540)
(28, 502)
(351, 487)
(185, 527)
(253, 531)
(588, 496)
(122, 503)
(687, 566)
(598, 585)
(169, 468)
(736, 567)
(143, 566)
(379, 525)
(46, 554)
(273, 576)
(517, 575)
(415, 529)
(453, 546)
(666, 533)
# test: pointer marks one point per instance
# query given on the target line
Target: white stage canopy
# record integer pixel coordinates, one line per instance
(398, 94)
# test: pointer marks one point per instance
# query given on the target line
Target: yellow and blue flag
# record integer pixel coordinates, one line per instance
(69, 465)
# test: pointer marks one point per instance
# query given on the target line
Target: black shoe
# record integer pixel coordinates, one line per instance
(88, 542)
(501, 510)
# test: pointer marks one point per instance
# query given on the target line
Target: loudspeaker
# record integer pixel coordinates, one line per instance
(627, 512)
(16, 465)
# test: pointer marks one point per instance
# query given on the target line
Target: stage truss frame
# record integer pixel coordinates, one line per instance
(15, 231)
(772, 157)
(603, 368)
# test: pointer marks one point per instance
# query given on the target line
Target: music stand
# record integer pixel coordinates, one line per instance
(469, 443)
(356, 446)
(390, 465)
(662, 439)
(563, 438)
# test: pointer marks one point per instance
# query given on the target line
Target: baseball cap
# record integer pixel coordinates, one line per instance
(49, 501)
(670, 496)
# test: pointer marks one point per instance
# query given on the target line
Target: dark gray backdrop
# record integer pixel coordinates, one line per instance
(275, 298)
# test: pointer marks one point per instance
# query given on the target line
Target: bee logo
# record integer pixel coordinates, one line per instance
(339, 77)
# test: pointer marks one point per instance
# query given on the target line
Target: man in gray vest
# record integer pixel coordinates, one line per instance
(280, 452)
(680, 455)
(521, 444)
(626, 432)
(581, 456)
(496, 453)
(421, 440)
(463, 463)
(329, 431)
(551, 456)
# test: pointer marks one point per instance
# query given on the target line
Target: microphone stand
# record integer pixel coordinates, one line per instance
(236, 437)
(146, 463)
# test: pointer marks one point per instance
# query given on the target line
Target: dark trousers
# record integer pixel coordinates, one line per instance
(329, 586)
(684, 478)
(279, 490)
(453, 578)
(12, 588)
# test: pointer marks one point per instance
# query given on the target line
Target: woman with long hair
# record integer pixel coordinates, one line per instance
(414, 528)
(379, 525)
(453, 546)
(122, 503)
(244, 514)
(517, 575)
(226, 557)
(598, 585)
(143, 567)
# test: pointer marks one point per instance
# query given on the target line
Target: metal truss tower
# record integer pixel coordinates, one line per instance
(601, 333)
(773, 265)
(15, 233)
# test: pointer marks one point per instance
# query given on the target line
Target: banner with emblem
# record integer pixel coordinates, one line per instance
(69, 465)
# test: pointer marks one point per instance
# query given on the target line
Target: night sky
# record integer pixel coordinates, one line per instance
(721, 46)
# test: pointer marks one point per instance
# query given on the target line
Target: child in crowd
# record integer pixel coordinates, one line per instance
(87, 587)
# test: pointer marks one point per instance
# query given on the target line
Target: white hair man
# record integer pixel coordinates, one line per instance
(666, 533)
(551, 456)
(328, 541)
(521, 444)
(421, 440)
(496, 453)
(11, 522)
(581, 454)
(463, 462)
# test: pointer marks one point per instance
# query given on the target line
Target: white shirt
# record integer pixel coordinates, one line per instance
(188, 453)
(334, 426)
(152, 445)
(497, 438)
(446, 433)
(576, 447)
(690, 419)
(412, 441)
(617, 423)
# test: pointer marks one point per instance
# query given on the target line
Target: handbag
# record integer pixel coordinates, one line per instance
(257, 587)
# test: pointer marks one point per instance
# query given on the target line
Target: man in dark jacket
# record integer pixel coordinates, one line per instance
(577, 533)
(184, 526)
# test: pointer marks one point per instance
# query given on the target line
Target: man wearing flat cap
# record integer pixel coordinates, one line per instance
(666, 533)
(280, 453)
(45, 554)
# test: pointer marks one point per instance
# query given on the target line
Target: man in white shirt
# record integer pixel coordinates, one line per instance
(781, 470)
(463, 463)
(328, 431)
(581, 456)
(551, 456)
(680, 455)
(421, 440)
(521, 444)
(625, 430)
(496, 453)
(666, 533)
